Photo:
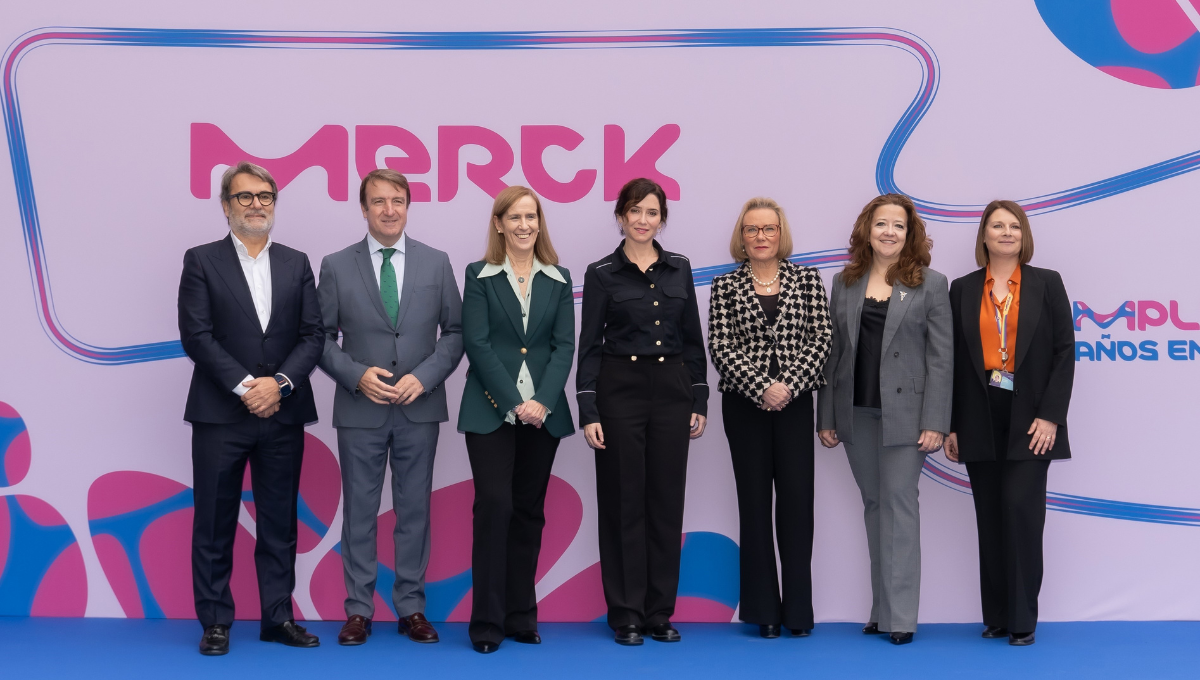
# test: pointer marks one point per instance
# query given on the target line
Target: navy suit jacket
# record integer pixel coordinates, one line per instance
(221, 333)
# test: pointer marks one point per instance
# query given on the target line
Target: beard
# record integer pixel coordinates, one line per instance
(241, 227)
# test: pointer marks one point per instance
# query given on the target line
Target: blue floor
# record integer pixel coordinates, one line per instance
(117, 648)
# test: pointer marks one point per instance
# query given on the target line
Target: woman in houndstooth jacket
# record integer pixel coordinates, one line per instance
(769, 335)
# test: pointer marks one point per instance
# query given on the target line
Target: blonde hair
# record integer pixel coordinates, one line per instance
(737, 246)
(543, 250)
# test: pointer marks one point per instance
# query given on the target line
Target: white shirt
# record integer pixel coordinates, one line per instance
(397, 260)
(524, 379)
(258, 277)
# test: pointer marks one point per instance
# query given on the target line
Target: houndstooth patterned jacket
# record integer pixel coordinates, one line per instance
(741, 342)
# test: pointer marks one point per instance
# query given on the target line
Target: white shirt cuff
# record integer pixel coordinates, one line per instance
(241, 389)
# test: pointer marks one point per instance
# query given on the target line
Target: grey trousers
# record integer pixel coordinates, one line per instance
(364, 453)
(887, 477)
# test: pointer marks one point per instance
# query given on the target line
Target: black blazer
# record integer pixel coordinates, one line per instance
(1044, 366)
(220, 332)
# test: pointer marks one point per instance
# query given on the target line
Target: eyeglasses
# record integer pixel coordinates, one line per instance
(769, 231)
(247, 199)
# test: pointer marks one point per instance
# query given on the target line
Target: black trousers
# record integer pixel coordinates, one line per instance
(645, 411)
(1010, 515)
(511, 467)
(219, 456)
(772, 455)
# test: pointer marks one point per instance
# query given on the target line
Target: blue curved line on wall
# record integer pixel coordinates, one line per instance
(1077, 505)
(703, 276)
(884, 174)
(172, 349)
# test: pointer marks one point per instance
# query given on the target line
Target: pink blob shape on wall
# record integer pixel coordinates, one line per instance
(119, 573)
(1152, 26)
(450, 518)
(63, 590)
(581, 598)
(320, 479)
(166, 554)
(40, 511)
(327, 588)
(462, 611)
(1136, 76)
(701, 610)
(17, 458)
(117, 493)
(4, 534)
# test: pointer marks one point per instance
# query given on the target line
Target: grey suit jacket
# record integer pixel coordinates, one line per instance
(916, 370)
(351, 303)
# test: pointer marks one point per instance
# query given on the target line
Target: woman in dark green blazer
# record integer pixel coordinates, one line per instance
(519, 335)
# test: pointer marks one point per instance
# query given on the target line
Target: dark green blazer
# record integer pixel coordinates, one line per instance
(496, 344)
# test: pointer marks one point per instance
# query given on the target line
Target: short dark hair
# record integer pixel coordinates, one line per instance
(634, 191)
(387, 175)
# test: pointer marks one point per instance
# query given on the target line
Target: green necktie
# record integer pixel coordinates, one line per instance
(387, 285)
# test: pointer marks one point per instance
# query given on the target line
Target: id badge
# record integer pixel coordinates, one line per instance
(1001, 379)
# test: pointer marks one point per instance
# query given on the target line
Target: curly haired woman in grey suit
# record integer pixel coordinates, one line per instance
(888, 393)
(769, 336)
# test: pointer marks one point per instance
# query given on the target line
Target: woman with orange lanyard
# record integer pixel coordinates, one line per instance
(1014, 366)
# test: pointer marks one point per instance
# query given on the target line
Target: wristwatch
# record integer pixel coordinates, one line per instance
(285, 387)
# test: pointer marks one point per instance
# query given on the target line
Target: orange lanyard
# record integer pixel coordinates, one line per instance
(1002, 325)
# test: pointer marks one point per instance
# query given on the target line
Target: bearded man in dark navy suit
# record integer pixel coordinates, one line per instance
(250, 320)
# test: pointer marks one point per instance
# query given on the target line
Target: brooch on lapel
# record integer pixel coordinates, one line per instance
(902, 294)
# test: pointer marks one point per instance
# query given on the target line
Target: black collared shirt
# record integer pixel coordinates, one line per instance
(628, 312)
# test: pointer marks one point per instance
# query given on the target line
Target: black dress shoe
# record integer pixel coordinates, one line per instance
(769, 630)
(871, 629)
(800, 632)
(665, 632)
(628, 635)
(528, 637)
(290, 634)
(485, 647)
(900, 638)
(215, 640)
(993, 632)
(1020, 639)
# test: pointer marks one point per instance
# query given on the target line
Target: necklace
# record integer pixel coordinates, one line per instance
(520, 278)
(765, 284)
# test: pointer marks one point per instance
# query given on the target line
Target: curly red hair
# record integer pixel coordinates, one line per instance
(913, 257)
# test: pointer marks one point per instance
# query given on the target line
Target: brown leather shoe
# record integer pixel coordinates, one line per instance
(355, 632)
(418, 629)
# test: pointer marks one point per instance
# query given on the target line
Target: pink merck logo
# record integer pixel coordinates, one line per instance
(329, 149)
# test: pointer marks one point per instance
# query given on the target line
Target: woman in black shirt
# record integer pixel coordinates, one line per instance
(642, 394)
(769, 334)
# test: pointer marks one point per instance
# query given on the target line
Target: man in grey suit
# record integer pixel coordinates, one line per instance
(388, 295)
